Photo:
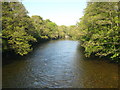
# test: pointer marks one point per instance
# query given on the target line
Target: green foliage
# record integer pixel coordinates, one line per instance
(16, 30)
(100, 29)
(38, 23)
(74, 32)
(44, 29)
(62, 31)
(51, 29)
(19, 31)
(19, 41)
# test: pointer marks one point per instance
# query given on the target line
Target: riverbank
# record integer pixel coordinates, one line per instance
(11, 56)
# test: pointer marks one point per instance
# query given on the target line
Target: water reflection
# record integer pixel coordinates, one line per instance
(59, 64)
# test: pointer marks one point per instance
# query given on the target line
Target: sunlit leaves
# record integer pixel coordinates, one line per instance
(100, 32)
(16, 32)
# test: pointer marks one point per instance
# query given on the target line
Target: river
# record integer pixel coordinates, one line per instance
(59, 64)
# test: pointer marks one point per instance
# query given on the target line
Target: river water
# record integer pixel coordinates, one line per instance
(59, 64)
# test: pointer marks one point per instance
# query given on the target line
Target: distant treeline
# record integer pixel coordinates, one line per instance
(98, 29)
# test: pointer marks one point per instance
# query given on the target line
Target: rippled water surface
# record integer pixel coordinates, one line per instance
(59, 64)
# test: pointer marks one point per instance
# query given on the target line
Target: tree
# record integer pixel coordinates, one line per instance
(62, 31)
(99, 29)
(39, 25)
(15, 28)
(51, 29)
(74, 32)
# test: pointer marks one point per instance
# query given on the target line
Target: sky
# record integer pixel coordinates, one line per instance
(62, 12)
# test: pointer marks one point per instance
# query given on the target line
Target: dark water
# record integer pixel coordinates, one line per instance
(59, 64)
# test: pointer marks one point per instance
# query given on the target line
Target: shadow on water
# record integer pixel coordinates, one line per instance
(60, 64)
(10, 56)
(96, 72)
